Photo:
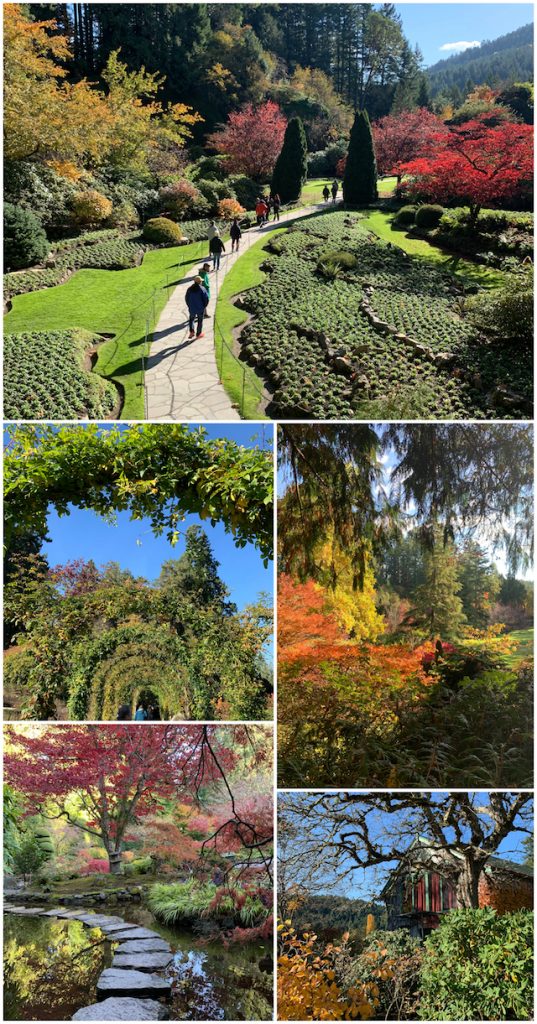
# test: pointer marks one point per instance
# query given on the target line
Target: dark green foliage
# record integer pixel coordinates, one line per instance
(335, 260)
(29, 855)
(519, 97)
(245, 189)
(46, 377)
(508, 313)
(291, 167)
(402, 957)
(323, 163)
(437, 602)
(478, 965)
(337, 913)
(428, 215)
(213, 190)
(193, 579)
(25, 242)
(406, 215)
(508, 58)
(479, 584)
(162, 231)
(360, 179)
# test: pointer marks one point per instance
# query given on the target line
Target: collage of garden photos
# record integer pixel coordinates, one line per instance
(267, 739)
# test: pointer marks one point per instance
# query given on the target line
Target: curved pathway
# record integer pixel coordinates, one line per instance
(182, 382)
(131, 988)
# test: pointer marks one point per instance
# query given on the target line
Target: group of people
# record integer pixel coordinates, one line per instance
(142, 714)
(263, 206)
(334, 190)
(199, 293)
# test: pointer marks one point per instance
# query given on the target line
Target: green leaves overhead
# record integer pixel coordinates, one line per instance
(159, 472)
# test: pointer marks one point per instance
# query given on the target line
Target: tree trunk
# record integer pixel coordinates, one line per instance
(467, 890)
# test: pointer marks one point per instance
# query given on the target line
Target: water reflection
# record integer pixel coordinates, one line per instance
(45, 978)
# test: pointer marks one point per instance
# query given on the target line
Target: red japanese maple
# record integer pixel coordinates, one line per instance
(399, 138)
(474, 165)
(252, 139)
(104, 780)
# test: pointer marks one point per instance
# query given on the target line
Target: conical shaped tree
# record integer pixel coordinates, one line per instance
(360, 178)
(291, 166)
(438, 601)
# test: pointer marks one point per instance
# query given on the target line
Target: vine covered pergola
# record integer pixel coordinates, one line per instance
(159, 472)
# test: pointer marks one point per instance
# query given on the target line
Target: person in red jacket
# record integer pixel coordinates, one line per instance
(261, 211)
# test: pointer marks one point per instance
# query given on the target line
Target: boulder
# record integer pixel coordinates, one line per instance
(342, 364)
(115, 981)
(123, 1009)
(142, 961)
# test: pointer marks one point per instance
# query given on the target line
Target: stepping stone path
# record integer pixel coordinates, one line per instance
(129, 989)
(123, 1009)
(182, 382)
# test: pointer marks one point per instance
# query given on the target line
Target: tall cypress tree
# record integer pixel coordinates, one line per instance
(360, 178)
(292, 164)
(437, 601)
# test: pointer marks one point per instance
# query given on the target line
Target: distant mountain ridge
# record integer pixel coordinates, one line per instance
(497, 62)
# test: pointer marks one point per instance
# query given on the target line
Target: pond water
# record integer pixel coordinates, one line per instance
(46, 979)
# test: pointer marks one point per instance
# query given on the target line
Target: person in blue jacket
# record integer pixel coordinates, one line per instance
(197, 301)
(141, 714)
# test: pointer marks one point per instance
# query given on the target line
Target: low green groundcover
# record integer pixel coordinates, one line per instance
(45, 377)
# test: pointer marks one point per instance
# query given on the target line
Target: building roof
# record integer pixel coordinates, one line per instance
(423, 851)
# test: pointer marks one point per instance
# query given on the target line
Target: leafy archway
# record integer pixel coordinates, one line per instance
(161, 472)
(116, 666)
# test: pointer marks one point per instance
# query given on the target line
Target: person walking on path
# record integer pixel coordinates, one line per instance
(216, 248)
(326, 193)
(276, 203)
(335, 189)
(261, 212)
(212, 230)
(206, 282)
(197, 301)
(235, 235)
(141, 714)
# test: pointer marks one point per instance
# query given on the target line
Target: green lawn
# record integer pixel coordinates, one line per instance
(381, 224)
(313, 189)
(239, 380)
(524, 650)
(123, 303)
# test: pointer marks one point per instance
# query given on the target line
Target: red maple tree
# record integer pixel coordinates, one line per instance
(399, 138)
(251, 139)
(104, 780)
(474, 165)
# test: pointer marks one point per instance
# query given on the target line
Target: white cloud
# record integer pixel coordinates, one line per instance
(463, 44)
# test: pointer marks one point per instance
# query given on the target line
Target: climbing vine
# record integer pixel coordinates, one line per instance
(161, 472)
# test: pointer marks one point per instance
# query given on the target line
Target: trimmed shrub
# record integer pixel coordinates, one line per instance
(428, 215)
(291, 167)
(360, 181)
(124, 216)
(90, 207)
(139, 866)
(507, 312)
(479, 966)
(406, 215)
(229, 208)
(25, 242)
(324, 162)
(331, 263)
(162, 231)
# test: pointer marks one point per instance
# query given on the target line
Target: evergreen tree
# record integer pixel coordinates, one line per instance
(360, 179)
(194, 576)
(479, 584)
(438, 601)
(291, 167)
(423, 100)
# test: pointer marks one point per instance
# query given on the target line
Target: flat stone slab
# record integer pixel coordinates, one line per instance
(144, 946)
(57, 912)
(125, 927)
(117, 982)
(142, 961)
(14, 910)
(29, 911)
(126, 1008)
(100, 921)
(133, 933)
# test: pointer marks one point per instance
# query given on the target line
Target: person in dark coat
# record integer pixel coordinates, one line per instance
(326, 193)
(216, 248)
(335, 189)
(276, 203)
(197, 301)
(124, 713)
(235, 234)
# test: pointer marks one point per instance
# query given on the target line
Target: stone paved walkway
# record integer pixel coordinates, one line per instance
(182, 382)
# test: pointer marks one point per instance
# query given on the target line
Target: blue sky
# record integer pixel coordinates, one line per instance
(83, 534)
(433, 26)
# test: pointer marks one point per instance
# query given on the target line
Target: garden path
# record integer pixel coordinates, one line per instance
(182, 382)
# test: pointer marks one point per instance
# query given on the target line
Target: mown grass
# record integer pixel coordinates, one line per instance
(123, 303)
(239, 380)
(312, 191)
(524, 649)
(381, 224)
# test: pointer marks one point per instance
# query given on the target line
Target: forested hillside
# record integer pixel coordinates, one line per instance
(507, 59)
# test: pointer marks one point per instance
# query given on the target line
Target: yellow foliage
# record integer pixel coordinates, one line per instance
(66, 169)
(307, 986)
(353, 606)
(370, 924)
